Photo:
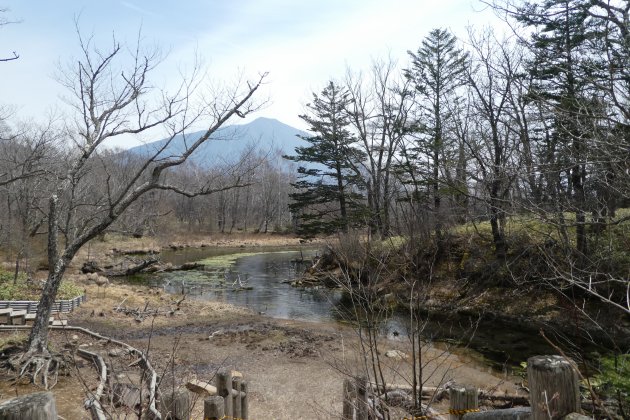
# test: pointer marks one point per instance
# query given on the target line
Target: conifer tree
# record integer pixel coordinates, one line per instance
(327, 197)
(562, 79)
(438, 69)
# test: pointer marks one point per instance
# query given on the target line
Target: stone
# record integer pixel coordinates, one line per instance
(117, 352)
(396, 354)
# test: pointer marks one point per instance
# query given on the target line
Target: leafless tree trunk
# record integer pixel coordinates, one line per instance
(112, 103)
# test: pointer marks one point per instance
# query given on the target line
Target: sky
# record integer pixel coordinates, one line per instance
(301, 43)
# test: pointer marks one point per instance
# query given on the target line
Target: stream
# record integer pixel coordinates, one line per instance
(258, 279)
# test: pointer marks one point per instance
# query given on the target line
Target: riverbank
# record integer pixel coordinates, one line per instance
(295, 369)
(285, 361)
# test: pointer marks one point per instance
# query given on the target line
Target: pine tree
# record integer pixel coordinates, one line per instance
(438, 69)
(562, 77)
(327, 199)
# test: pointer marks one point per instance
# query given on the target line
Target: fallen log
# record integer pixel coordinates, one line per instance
(131, 270)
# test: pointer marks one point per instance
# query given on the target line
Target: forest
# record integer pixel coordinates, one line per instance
(500, 159)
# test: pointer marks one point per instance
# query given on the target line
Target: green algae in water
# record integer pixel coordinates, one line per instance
(227, 261)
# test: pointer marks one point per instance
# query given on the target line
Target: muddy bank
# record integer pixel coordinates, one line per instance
(283, 360)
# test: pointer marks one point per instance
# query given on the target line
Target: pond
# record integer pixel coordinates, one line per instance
(259, 279)
(255, 278)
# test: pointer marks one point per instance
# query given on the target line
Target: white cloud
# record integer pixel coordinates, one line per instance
(301, 44)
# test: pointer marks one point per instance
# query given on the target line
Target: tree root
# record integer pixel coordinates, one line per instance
(41, 368)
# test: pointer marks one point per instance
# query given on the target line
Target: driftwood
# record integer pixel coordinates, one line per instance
(143, 265)
(509, 398)
(439, 393)
(94, 400)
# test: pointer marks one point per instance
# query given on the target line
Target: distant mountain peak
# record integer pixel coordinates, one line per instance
(231, 140)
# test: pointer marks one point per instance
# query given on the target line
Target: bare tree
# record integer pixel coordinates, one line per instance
(491, 79)
(379, 113)
(5, 21)
(113, 100)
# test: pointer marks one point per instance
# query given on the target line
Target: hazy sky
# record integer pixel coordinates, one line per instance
(301, 43)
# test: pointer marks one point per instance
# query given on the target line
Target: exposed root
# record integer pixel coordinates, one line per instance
(41, 368)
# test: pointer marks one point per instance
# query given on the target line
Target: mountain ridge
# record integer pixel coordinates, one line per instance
(229, 142)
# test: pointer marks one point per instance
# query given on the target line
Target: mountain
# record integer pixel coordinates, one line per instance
(229, 142)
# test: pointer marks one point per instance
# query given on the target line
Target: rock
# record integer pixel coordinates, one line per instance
(118, 352)
(74, 338)
(201, 387)
(396, 354)
(397, 398)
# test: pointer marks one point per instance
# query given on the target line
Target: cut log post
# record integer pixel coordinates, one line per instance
(464, 399)
(18, 317)
(553, 386)
(213, 408)
(201, 387)
(244, 402)
(362, 408)
(37, 406)
(224, 389)
(236, 402)
(5, 316)
(175, 405)
(349, 395)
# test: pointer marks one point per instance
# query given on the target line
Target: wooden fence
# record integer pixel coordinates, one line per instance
(554, 394)
(30, 306)
(231, 399)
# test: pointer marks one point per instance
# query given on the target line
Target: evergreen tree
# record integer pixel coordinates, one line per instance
(562, 77)
(438, 69)
(327, 199)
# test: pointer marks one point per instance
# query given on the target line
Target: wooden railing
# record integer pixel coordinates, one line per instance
(30, 306)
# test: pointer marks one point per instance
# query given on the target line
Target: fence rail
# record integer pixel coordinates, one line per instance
(30, 306)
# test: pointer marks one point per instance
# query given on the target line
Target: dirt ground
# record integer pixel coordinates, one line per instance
(295, 370)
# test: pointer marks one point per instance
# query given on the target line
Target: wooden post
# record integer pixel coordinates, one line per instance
(244, 402)
(224, 389)
(349, 394)
(213, 408)
(236, 402)
(463, 398)
(175, 405)
(554, 387)
(37, 406)
(362, 408)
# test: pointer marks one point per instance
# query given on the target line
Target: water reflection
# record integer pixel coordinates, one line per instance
(263, 279)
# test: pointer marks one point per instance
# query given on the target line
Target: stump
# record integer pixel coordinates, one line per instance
(349, 394)
(554, 387)
(37, 406)
(213, 408)
(175, 405)
(463, 399)
(362, 407)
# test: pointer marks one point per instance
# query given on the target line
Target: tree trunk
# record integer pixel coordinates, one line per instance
(38, 340)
